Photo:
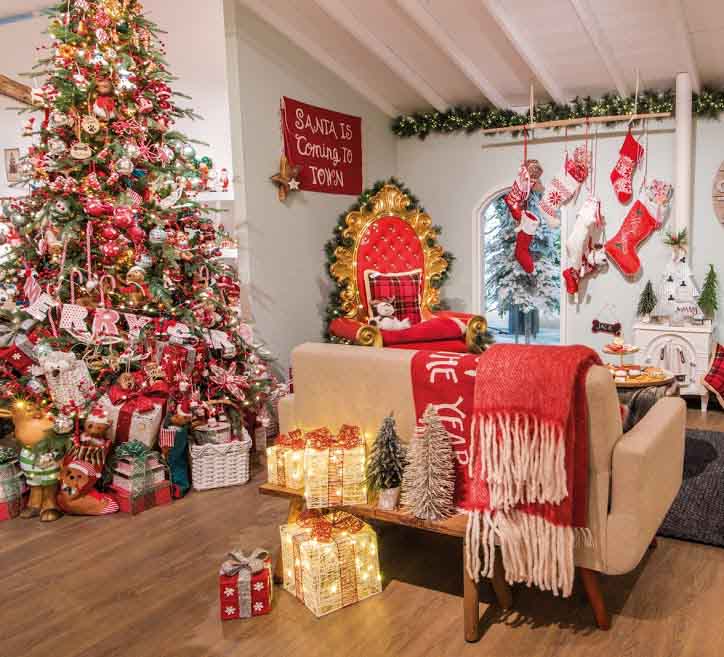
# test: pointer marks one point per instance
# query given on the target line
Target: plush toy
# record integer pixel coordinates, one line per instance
(384, 316)
(93, 446)
(173, 440)
(78, 495)
(40, 467)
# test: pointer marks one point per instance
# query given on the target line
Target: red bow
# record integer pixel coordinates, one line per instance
(294, 439)
(324, 527)
(348, 438)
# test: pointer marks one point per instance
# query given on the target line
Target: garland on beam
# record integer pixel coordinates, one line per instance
(708, 104)
(334, 304)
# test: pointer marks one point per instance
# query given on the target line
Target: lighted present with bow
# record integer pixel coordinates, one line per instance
(140, 479)
(12, 484)
(330, 561)
(245, 585)
(285, 460)
(136, 408)
(17, 342)
(334, 468)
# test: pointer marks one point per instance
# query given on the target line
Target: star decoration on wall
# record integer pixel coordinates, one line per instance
(286, 179)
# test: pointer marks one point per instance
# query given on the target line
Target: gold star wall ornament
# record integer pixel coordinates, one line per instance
(286, 180)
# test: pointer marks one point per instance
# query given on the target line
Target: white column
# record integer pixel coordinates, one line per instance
(683, 155)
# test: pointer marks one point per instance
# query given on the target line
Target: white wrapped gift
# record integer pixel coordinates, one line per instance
(129, 424)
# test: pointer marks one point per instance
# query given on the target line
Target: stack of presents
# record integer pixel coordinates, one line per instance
(329, 556)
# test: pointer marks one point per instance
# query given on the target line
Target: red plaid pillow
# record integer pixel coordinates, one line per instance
(714, 380)
(402, 290)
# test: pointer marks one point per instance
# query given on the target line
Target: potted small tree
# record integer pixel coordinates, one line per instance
(708, 299)
(647, 303)
(386, 464)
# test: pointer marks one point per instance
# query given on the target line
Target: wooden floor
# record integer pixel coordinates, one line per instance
(147, 587)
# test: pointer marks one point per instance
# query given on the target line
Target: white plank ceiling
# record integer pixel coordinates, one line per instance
(409, 55)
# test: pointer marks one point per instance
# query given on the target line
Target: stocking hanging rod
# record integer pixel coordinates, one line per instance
(562, 123)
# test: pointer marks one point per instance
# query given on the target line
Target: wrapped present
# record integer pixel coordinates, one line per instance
(216, 433)
(135, 504)
(12, 484)
(245, 585)
(17, 344)
(10, 509)
(136, 413)
(285, 461)
(334, 468)
(174, 357)
(69, 381)
(330, 561)
(138, 475)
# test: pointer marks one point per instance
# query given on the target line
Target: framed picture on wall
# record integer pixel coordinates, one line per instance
(12, 165)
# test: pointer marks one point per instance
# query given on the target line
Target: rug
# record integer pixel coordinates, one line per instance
(697, 513)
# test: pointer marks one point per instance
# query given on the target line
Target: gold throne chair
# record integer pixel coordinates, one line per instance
(392, 256)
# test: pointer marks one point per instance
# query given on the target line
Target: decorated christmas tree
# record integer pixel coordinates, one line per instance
(708, 299)
(111, 277)
(428, 482)
(647, 301)
(387, 460)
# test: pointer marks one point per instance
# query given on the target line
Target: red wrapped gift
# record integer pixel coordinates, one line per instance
(11, 508)
(135, 504)
(245, 585)
(17, 344)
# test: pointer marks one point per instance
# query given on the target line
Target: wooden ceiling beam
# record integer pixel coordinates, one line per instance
(15, 90)
(341, 14)
(600, 43)
(429, 24)
(496, 8)
(678, 19)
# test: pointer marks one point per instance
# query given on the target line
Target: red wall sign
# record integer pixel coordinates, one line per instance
(325, 145)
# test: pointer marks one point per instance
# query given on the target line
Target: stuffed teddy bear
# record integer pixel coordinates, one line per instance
(78, 495)
(384, 316)
(93, 446)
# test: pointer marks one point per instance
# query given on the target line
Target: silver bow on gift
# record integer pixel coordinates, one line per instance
(244, 567)
(15, 333)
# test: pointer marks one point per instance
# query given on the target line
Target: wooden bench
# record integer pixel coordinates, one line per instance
(454, 526)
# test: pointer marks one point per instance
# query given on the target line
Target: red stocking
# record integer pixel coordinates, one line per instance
(572, 279)
(622, 175)
(636, 227)
(519, 192)
(526, 230)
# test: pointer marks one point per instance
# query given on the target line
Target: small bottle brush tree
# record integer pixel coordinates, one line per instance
(647, 301)
(708, 301)
(386, 464)
(428, 482)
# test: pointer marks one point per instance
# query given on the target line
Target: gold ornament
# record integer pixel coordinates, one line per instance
(82, 28)
(66, 51)
(286, 179)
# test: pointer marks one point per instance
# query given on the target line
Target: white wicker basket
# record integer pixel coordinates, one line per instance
(216, 466)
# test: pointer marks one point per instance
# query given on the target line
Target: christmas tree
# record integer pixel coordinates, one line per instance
(647, 300)
(708, 299)
(111, 253)
(428, 482)
(387, 460)
(508, 288)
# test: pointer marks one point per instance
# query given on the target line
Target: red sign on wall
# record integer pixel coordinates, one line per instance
(325, 145)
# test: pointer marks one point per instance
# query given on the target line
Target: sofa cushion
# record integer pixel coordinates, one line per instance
(402, 290)
(431, 330)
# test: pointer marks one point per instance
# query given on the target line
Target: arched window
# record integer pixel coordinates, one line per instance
(519, 307)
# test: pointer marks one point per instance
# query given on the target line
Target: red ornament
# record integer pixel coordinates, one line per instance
(123, 217)
(111, 250)
(136, 233)
(96, 208)
(109, 233)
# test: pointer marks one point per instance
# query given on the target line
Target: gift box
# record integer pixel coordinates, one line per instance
(330, 561)
(11, 508)
(285, 461)
(69, 381)
(175, 357)
(135, 414)
(334, 468)
(17, 345)
(135, 504)
(246, 585)
(136, 476)
(216, 433)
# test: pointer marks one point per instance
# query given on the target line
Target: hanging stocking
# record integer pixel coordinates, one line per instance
(525, 231)
(528, 179)
(579, 244)
(622, 175)
(565, 185)
(646, 215)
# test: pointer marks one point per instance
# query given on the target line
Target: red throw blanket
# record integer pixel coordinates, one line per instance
(523, 459)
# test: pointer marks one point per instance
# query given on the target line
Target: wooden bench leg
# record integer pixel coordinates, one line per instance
(503, 592)
(592, 584)
(296, 506)
(471, 605)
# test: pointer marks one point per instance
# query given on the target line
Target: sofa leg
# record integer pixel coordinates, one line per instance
(296, 506)
(503, 592)
(592, 584)
(471, 605)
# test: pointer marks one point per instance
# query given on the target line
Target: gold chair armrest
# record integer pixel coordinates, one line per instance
(368, 336)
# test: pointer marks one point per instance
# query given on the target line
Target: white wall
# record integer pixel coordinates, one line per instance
(195, 54)
(289, 285)
(452, 173)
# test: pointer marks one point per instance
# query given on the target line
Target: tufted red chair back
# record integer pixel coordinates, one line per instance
(390, 246)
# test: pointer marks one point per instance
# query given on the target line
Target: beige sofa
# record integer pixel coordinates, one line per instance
(633, 477)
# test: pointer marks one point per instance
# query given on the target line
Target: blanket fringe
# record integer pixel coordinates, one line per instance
(522, 459)
(534, 550)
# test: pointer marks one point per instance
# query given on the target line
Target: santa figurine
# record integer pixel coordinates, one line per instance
(104, 108)
(224, 180)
